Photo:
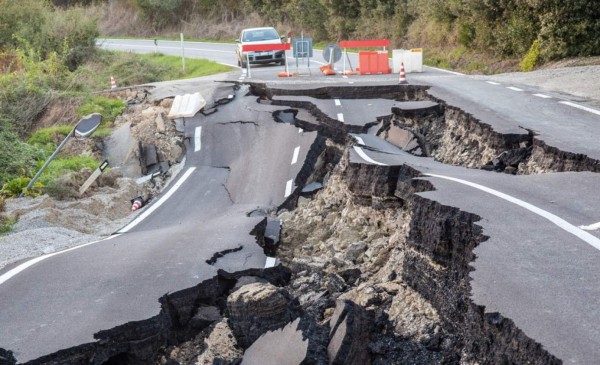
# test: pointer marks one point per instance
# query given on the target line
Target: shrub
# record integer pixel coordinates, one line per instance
(110, 109)
(18, 185)
(6, 223)
(531, 58)
(17, 158)
(60, 191)
(52, 135)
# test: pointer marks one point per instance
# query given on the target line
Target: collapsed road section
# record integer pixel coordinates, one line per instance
(386, 256)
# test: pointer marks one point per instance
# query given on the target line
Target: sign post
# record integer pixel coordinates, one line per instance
(93, 177)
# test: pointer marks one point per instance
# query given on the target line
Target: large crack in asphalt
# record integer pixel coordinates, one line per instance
(372, 272)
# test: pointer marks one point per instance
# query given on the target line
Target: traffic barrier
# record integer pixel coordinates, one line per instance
(369, 62)
(265, 48)
(412, 59)
(402, 77)
(113, 83)
(137, 203)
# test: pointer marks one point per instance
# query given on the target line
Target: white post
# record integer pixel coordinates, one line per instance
(182, 53)
(346, 54)
(248, 64)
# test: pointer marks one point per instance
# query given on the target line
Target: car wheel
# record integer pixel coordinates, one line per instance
(282, 62)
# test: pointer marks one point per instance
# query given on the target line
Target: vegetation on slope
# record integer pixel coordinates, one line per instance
(48, 61)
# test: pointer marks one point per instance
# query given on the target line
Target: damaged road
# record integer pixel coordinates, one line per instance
(402, 245)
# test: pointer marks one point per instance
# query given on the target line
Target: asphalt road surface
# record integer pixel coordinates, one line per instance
(538, 268)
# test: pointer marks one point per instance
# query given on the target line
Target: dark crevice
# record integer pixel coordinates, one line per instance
(239, 122)
(217, 255)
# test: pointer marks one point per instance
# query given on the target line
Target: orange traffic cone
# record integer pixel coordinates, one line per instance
(327, 70)
(113, 83)
(402, 78)
(137, 203)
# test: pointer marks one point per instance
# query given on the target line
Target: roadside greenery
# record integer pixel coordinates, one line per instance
(48, 57)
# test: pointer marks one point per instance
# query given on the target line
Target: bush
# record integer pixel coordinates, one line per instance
(52, 135)
(110, 109)
(60, 191)
(18, 185)
(6, 223)
(531, 58)
(17, 158)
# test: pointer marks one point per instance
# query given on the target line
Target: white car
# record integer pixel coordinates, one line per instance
(266, 35)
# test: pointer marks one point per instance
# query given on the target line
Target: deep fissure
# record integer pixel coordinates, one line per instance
(365, 251)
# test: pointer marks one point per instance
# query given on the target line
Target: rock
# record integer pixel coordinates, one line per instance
(300, 342)
(257, 308)
(355, 250)
(335, 284)
(205, 316)
(160, 123)
(220, 346)
(350, 276)
(350, 335)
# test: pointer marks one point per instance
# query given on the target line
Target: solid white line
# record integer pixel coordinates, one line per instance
(288, 188)
(271, 261)
(295, 156)
(160, 202)
(364, 156)
(11, 273)
(597, 112)
(493, 83)
(340, 117)
(514, 88)
(543, 96)
(561, 223)
(337, 102)
(197, 139)
(591, 227)
(359, 140)
(447, 71)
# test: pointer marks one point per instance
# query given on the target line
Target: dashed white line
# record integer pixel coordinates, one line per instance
(288, 188)
(340, 117)
(337, 102)
(559, 222)
(514, 88)
(543, 96)
(197, 139)
(295, 156)
(590, 110)
(493, 83)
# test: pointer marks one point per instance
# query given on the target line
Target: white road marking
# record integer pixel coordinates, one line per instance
(591, 227)
(559, 222)
(447, 71)
(197, 139)
(295, 156)
(364, 156)
(543, 96)
(11, 273)
(359, 140)
(594, 111)
(300, 130)
(271, 261)
(337, 102)
(514, 88)
(160, 202)
(340, 117)
(288, 188)
(493, 83)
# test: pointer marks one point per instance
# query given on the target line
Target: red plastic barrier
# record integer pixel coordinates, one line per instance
(266, 47)
(373, 63)
(365, 43)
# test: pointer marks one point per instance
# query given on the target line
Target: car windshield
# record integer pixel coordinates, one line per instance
(260, 35)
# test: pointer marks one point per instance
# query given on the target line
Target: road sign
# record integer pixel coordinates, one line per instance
(93, 177)
(302, 47)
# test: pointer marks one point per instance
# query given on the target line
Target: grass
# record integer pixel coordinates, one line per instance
(194, 67)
